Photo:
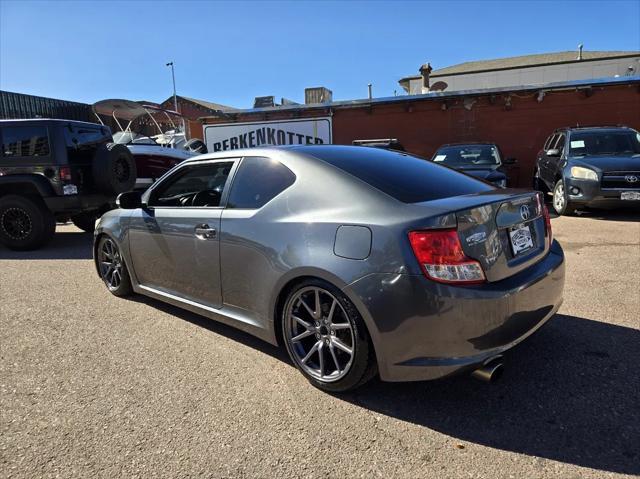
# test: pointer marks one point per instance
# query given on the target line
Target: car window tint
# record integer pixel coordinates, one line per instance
(25, 141)
(258, 181)
(181, 189)
(552, 141)
(82, 137)
(559, 145)
(549, 142)
(407, 178)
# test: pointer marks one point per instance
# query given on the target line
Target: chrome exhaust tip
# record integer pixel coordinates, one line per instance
(491, 371)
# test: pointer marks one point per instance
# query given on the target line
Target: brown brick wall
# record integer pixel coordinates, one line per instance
(520, 129)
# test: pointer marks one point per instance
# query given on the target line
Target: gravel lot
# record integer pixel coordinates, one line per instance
(96, 386)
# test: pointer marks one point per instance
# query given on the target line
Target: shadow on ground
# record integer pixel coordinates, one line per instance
(64, 245)
(623, 214)
(569, 393)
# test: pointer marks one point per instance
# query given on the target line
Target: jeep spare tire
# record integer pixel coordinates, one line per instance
(114, 169)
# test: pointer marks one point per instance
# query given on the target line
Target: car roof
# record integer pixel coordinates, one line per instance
(593, 128)
(316, 151)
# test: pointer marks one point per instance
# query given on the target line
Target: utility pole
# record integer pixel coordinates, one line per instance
(173, 76)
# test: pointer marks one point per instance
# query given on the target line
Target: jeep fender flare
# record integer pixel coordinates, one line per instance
(26, 184)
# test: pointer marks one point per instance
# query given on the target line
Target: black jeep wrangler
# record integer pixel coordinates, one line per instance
(57, 170)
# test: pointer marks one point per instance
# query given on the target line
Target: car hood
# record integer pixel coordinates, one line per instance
(610, 163)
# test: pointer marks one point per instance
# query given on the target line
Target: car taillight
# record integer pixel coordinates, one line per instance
(547, 222)
(65, 173)
(441, 258)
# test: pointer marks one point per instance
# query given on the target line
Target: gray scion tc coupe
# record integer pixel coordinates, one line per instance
(360, 261)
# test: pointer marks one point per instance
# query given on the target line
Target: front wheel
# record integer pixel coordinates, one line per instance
(112, 269)
(561, 203)
(326, 337)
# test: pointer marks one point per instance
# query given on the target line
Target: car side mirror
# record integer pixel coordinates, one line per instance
(129, 200)
(553, 152)
(510, 161)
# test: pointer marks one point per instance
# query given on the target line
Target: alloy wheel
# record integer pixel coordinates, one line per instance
(110, 264)
(320, 334)
(16, 223)
(558, 198)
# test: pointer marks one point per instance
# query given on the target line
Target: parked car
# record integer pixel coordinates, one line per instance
(482, 160)
(590, 167)
(57, 169)
(358, 260)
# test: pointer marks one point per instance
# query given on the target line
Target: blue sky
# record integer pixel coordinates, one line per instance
(230, 52)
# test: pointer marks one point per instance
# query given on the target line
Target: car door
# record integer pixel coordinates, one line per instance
(174, 239)
(554, 162)
(543, 160)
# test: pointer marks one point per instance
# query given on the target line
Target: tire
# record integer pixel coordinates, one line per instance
(318, 340)
(561, 203)
(112, 267)
(86, 221)
(114, 169)
(25, 222)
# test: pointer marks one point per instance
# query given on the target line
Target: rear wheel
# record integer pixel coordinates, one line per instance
(112, 269)
(561, 203)
(326, 337)
(25, 222)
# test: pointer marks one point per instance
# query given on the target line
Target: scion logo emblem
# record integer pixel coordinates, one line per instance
(525, 213)
(631, 178)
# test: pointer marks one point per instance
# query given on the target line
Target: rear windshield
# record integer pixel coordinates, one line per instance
(406, 178)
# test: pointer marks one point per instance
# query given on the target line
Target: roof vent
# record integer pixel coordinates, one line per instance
(317, 95)
(580, 51)
(264, 101)
(285, 101)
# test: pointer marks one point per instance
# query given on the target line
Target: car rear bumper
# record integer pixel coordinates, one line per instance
(590, 193)
(425, 330)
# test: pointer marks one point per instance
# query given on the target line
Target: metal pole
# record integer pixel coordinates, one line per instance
(370, 91)
(173, 77)
(175, 98)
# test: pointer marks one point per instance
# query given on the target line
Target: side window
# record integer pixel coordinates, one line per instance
(560, 143)
(20, 141)
(549, 142)
(196, 185)
(258, 181)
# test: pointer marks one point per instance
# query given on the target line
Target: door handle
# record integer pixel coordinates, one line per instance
(205, 232)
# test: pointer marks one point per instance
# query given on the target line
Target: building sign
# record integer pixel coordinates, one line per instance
(231, 136)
